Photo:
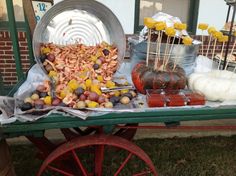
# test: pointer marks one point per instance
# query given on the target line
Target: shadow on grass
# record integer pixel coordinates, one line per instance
(212, 156)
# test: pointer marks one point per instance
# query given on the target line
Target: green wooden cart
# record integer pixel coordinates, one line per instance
(88, 141)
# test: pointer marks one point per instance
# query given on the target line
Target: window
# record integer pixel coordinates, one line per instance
(186, 10)
(18, 11)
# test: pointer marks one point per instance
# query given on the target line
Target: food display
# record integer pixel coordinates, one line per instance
(148, 78)
(78, 72)
(162, 73)
(82, 76)
(174, 98)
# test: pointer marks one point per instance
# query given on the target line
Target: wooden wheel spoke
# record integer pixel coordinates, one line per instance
(99, 157)
(143, 173)
(59, 171)
(82, 168)
(123, 164)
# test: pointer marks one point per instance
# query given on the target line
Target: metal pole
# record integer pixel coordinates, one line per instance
(230, 36)
(228, 13)
(14, 38)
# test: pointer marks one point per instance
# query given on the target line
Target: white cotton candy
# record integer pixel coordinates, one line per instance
(216, 85)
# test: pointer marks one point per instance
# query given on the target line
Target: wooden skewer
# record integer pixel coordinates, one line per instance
(202, 42)
(166, 49)
(172, 45)
(214, 49)
(157, 50)
(160, 46)
(231, 54)
(221, 55)
(209, 43)
(148, 47)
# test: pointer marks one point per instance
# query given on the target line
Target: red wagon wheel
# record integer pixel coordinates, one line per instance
(69, 160)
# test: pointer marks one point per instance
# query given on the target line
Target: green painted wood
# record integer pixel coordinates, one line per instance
(4, 25)
(193, 16)
(14, 38)
(56, 121)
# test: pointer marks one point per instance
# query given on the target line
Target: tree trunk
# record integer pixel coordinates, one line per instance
(6, 166)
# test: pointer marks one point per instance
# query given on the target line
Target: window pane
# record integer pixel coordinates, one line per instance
(18, 10)
(3, 11)
(178, 8)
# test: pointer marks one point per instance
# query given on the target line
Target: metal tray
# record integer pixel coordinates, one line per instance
(79, 21)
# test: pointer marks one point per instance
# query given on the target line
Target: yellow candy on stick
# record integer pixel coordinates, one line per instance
(210, 31)
(183, 26)
(170, 32)
(216, 35)
(203, 26)
(187, 41)
(223, 39)
(160, 26)
(177, 26)
(150, 23)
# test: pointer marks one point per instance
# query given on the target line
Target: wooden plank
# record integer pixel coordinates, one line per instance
(6, 166)
(29, 13)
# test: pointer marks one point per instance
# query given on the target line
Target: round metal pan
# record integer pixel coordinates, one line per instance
(79, 21)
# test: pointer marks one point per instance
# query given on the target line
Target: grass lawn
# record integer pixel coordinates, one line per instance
(212, 156)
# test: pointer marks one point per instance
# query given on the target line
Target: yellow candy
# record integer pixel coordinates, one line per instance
(203, 26)
(52, 73)
(149, 22)
(92, 104)
(110, 84)
(117, 93)
(63, 94)
(211, 30)
(95, 89)
(88, 83)
(183, 26)
(187, 41)
(170, 32)
(160, 26)
(217, 34)
(224, 38)
(73, 84)
(177, 26)
(45, 50)
(124, 91)
(100, 78)
(94, 58)
(48, 100)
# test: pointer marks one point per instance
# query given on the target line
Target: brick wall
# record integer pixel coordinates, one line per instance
(7, 62)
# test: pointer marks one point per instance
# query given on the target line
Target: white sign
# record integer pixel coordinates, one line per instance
(40, 8)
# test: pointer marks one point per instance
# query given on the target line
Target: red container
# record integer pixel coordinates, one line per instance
(175, 100)
(195, 99)
(155, 98)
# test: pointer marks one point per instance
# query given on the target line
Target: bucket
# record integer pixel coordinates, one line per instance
(184, 56)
